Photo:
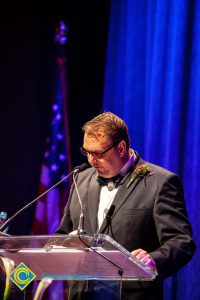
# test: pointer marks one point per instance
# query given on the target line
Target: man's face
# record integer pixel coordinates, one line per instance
(111, 162)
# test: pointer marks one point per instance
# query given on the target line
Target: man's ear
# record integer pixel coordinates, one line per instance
(122, 148)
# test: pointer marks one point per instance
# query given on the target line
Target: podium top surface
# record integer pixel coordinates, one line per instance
(88, 257)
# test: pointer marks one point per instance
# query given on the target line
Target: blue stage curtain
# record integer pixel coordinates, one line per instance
(152, 81)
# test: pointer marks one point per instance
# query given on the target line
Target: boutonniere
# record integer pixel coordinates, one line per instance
(140, 171)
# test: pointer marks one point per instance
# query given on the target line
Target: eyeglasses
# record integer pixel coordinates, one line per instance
(95, 154)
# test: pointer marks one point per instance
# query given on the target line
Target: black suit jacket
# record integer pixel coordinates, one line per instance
(149, 214)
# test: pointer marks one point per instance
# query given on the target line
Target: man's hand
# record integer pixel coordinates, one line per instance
(75, 232)
(144, 257)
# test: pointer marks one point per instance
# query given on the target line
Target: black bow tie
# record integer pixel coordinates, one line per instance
(115, 179)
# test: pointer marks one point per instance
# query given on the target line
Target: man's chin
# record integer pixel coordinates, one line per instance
(100, 172)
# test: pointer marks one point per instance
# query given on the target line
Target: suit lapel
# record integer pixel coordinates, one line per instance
(121, 196)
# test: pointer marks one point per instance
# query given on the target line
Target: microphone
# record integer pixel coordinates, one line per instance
(80, 168)
(75, 171)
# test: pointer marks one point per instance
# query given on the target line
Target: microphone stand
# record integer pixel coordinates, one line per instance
(81, 218)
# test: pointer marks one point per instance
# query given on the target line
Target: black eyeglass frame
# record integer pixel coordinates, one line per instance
(97, 155)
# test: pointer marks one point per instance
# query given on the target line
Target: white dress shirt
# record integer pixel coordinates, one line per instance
(107, 196)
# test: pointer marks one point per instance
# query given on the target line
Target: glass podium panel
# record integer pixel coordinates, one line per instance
(74, 257)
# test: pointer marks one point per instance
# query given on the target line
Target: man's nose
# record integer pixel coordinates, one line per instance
(91, 158)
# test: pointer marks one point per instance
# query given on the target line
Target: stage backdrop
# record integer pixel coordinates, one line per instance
(152, 81)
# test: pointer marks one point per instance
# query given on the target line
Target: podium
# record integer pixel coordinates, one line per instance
(90, 258)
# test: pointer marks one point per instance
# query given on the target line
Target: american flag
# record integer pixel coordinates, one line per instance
(55, 166)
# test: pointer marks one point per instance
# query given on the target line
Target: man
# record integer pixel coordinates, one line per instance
(149, 217)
